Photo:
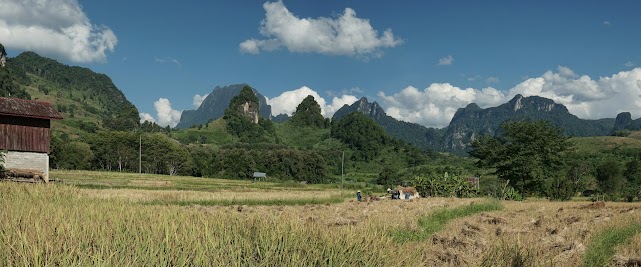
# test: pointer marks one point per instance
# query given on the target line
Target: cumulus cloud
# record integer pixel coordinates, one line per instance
(435, 106)
(164, 113)
(344, 35)
(57, 28)
(446, 61)
(629, 64)
(584, 97)
(146, 117)
(198, 99)
(287, 102)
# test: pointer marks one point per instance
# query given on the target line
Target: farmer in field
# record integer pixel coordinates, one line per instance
(358, 195)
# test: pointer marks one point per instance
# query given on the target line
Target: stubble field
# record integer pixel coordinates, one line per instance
(106, 219)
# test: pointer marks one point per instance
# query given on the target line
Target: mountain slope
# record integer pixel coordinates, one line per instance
(214, 105)
(472, 121)
(82, 95)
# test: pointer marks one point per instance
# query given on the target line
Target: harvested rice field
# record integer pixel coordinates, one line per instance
(130, 220)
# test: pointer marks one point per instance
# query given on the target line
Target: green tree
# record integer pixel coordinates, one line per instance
(389, 177)
(308, 113)
(362, 134)
(609, 176)
(76, 156)
(526, 154)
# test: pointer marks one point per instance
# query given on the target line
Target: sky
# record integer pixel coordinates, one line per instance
(420, 60)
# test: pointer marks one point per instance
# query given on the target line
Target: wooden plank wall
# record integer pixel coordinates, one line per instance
(23, 137)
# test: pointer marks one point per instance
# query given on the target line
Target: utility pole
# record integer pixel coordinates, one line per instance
(342, 167)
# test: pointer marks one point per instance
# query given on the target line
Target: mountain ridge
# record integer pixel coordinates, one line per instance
(472, 121)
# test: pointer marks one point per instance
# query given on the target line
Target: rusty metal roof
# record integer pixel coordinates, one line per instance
(28, 108)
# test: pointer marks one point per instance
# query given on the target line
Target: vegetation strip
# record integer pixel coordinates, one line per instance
(252, 202)
(601, 248)
(436, 220)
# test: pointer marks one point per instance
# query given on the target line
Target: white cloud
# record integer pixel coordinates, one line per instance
(168, 60)
(435, 106)
(584, 97)
(198, 99)
(629, 64)
(287, 102)
(165, 114)
(343, 35)
(608, 23)
(446, 61)
(57, 28)
(146, 117)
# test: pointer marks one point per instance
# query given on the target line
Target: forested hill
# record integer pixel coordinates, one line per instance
(87, 99)
(214, 105)
(411, 133)
(472, 121)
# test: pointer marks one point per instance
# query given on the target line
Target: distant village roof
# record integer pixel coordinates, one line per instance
(28, 108)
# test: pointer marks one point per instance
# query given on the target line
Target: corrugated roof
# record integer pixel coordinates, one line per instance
(28, 108)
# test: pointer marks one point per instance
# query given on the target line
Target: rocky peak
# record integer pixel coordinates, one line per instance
(622, 121)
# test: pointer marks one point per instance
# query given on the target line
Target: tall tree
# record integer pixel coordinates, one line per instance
(362, 134)
(308, 113)
(609, 176)
(525, 153)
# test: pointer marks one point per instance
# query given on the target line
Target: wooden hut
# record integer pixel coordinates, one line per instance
(25, 129)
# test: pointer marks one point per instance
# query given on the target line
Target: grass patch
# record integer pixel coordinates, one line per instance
(251, 202)
(122, 180)
(436, 220)
(602, 245)
(508, 255)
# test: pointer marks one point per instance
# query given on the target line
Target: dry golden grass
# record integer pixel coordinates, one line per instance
(549, 233)
(631, 250)
(61, 225)
(138, 195)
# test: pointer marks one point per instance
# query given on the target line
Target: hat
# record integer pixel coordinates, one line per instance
(389, 189)
(358, 191)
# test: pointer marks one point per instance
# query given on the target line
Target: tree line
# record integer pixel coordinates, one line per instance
(534, 158)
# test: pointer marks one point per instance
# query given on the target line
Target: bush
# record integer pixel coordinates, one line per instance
(560, 188)
(444, 186)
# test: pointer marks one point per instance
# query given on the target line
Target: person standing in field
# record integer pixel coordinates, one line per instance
(358, 195)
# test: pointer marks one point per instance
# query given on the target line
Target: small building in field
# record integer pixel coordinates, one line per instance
(25, 131)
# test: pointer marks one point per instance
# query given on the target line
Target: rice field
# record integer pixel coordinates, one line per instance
(129, 221)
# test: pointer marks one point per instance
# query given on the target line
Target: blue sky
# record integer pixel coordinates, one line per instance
(435, 58)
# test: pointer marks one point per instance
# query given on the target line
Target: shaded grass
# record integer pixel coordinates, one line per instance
(251, 202)
(436, 220)
(601, 248)
(120, 180)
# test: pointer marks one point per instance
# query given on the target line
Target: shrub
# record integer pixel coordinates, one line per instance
(444, 186)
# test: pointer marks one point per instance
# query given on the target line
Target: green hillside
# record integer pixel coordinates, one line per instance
(87, 100)
(601, 144)
(213, 133)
